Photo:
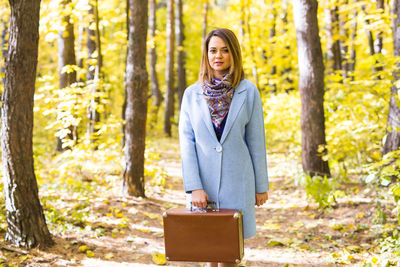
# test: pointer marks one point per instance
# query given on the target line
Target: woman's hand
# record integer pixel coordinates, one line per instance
(261, 198)
(199, 198)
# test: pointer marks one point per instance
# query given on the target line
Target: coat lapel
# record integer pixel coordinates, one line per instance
(237, 101)
(205, 113)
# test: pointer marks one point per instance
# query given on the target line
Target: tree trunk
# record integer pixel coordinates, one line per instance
(352, 64)
(4, 43)
(311, 86)
(345, 32)
(169, 70)
(272, 34)
(94, 70)
(288, 84)
(136, 99)
(370, 36)
(334, 53)
(26, 222)
(66, 58)
(80, 47)
(393, 122)
(379, 38)
(180, 37)
(155, 88)
(127, 9)
(379, 41)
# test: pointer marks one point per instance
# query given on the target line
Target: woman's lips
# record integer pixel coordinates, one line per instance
(219, 63)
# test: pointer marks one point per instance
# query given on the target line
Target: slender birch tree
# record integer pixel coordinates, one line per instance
(95, 63)
(169, 69)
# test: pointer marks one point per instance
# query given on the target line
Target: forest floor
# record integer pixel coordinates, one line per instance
(99, 227)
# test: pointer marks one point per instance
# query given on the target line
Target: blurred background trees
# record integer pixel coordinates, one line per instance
(84, 78)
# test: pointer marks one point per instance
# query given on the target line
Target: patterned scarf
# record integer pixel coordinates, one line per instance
(218, 95)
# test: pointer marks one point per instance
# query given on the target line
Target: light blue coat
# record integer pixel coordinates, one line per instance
(233, 169)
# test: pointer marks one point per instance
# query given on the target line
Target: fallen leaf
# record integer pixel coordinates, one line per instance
(350, 226)
(152, 215)
(129, 239)
(355, 249)
(336, 226)
(360, 215)
(119, 215)
(83, 248)
(298, 224)
(108, 256)
(24, 258)
(158, 258)
(272, 226)
(275, 243)
(89, 254)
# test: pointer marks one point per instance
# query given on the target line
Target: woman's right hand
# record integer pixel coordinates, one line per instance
(199, 198)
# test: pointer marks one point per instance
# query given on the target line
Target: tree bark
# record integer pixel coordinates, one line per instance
(66, 57)
(311, 86)
(288, 84)
(272, 34)
(80, 47)
(370, 36)
(169, 70)
(393, 121)
(4, 43)
(378, 45)
(127, 9)
(380, 5)
(155, 87)
(25, 219)
(94, 70)
(180, 37)
(352, 64)
(334, 53)
(136, 99)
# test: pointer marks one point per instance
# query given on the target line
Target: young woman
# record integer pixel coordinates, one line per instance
(221, 133)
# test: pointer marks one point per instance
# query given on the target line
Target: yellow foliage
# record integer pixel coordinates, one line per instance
(158, 258)
(89, 254)
(272, 226)
(360, 215)
(83, 248)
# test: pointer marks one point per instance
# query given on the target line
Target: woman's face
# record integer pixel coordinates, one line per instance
(219, 57)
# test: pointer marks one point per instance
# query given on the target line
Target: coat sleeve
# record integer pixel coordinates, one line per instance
(190, 165)
(255, 139)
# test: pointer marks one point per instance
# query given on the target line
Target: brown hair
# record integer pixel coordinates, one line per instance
(236, 70)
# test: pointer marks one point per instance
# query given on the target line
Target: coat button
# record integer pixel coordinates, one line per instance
(218, 148)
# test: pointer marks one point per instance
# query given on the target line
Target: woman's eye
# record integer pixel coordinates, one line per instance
(212, 51)
(225, 51)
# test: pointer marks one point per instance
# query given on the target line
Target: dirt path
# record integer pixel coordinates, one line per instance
(120, 231)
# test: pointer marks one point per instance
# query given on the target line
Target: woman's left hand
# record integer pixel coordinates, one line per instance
(261, 198)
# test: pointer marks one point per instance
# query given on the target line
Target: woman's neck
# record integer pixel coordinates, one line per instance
(219, 75)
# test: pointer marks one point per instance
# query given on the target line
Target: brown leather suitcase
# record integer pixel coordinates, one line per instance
(211, 236)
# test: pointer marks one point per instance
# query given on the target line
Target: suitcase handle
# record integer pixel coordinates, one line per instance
(209, 202)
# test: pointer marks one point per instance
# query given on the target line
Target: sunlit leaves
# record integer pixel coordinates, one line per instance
(159, 258)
